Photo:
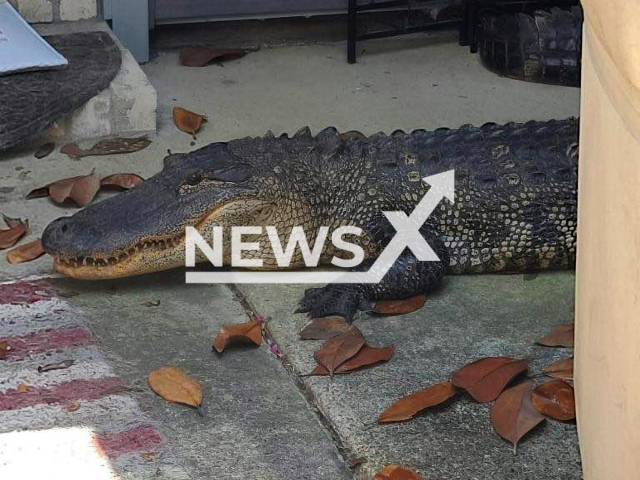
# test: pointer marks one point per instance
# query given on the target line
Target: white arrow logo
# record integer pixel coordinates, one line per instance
(407, 235)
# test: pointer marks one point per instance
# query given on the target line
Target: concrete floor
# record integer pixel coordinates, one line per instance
(261, 420)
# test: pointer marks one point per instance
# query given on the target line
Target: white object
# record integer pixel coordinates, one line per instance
(21, 48)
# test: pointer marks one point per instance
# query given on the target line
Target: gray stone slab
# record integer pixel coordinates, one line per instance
(256, 424)
(469, 318)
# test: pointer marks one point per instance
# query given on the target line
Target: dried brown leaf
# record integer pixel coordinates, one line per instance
(73, 406)
(111, 146)
(396, 472)
(72, 150)
(324, 328)
(26, 252)
(561, 336)
(250, 331)
(55, 366)
(400, 307)
(407, 407)
(4, 349)
(513, 414)
(337, 350)
(187, 121)
(121, 181)
(484, 379)
(366, 357)
(38, 192)
(8, 238)
(555, 399)
(562, 369)
(44, 150)
(175, 385)
(81, 189)
(13, 222)
(202, 56)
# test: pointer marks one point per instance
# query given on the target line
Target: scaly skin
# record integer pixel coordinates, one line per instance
(515, 206)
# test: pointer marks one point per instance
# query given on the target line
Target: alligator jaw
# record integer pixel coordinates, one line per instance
(145, 257)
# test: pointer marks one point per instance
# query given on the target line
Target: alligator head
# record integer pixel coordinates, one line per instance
(143, 229)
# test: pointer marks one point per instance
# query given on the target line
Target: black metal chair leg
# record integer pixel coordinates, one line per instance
(463, 39)
(472, 22)
(351, 31)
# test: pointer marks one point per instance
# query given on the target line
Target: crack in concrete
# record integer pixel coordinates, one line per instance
(344, 452)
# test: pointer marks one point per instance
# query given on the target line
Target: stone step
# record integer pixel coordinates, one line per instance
(127, 107)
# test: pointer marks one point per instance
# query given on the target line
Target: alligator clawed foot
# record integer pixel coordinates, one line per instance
(338, 300)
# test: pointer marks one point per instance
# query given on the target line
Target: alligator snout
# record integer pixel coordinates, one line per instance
(57, 235)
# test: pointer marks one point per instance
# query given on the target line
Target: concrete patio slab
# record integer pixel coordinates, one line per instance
(469, 318)
(255, 423)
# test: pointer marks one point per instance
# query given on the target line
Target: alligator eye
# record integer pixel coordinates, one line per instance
(194, 178)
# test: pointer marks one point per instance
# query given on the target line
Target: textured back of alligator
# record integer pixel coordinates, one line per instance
(543, 47)
(516, 186)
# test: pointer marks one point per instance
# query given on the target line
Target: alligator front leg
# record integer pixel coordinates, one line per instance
(406, 278)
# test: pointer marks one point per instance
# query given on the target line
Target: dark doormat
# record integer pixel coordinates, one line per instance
(32, 101)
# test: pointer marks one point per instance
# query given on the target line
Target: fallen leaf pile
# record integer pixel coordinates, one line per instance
(345, 349)
(175, 385)
(110, 146)
(517, 409)
(248, 332)
(202, 55)
(82, 189)
(187, 121)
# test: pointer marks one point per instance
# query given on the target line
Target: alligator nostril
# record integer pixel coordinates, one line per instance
(56, 235)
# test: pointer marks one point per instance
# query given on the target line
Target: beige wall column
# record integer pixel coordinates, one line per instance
(608, 272)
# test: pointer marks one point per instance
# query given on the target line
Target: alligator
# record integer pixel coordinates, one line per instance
(514, 211)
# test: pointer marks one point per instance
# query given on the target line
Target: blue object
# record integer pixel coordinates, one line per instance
(21, 48)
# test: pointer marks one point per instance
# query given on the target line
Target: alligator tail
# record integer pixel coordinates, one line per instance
(544, 47)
